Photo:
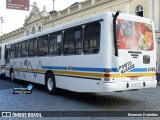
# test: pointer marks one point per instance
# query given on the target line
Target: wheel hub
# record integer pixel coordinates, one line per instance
(50, 84)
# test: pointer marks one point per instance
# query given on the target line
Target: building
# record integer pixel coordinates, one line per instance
(38, 21)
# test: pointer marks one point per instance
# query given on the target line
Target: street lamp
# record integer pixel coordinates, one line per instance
(2, 21)
(53, 13)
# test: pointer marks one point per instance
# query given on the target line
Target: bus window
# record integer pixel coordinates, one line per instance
(13, 48)
(134, 35)
(55, 46)
(33, 47)
(92, 38)
(18, 50)
(24, 49)
(0, 52)
(42, 45)
(7, 53)
(73, 41)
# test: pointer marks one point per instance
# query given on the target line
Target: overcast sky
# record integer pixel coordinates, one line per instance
(14, 19)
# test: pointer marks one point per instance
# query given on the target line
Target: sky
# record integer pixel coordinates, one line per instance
(14, 19)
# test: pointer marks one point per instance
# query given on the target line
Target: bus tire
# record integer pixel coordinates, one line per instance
(12, 76)
(51, 84)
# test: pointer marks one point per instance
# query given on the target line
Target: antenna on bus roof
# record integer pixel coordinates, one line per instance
(115, 33)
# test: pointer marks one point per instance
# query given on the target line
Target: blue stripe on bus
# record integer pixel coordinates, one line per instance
(93, 69)
(139, 70)
(54, 67)
(89, 69)
(133, 70)
(113, 69)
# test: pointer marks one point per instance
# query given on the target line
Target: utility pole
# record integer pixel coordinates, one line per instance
(53, 13)
(2, 21)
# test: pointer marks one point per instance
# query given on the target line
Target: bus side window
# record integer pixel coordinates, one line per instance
(0, 52)
(13, 51)
(33, 47)
(24, 49)
(55, 45)
(91, 42)
(18, 50)
(42, 45)
(73, 41)
(7, 53)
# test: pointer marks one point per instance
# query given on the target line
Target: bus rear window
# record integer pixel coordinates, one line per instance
(134, 35)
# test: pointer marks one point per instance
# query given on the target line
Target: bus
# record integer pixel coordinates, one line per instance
(2, 59)
(109, 52)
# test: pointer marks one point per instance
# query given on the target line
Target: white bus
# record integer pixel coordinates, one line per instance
(104, 53)
(2, 59)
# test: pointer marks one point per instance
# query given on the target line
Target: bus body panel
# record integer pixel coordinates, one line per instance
(101, 72)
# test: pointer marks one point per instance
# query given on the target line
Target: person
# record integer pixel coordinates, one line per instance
(147, 42)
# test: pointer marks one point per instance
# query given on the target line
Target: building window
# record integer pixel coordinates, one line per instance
(40, 28)
(139, 10)
(33, 30)
(27, 32)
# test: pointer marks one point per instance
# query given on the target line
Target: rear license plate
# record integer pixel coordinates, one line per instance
(135, 84)
(133, 78)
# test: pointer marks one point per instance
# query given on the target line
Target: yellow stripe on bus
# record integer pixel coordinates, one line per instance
(30, 70)
(132, 75)
(84, 74)
(88, 74)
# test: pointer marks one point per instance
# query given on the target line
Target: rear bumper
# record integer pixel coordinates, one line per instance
(130, 85)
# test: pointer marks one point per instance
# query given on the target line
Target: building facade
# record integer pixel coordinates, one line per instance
(38, 21)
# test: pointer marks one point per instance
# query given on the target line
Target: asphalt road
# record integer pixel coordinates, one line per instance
(39, 100)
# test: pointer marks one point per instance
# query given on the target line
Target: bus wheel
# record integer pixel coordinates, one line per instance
(51, 84)
(12, 76)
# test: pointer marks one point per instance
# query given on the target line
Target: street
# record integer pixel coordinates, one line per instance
(39, 100)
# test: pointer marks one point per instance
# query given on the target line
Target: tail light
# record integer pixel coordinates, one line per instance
(107, 73)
